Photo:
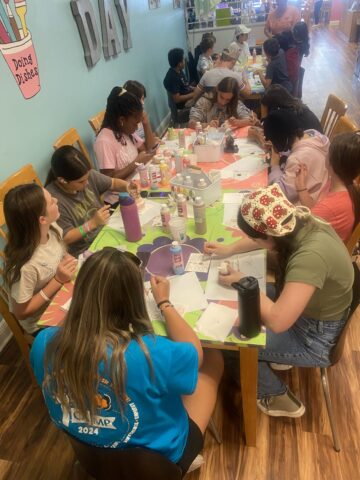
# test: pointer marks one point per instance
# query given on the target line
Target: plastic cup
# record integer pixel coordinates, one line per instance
(21, 59)
(177, 227)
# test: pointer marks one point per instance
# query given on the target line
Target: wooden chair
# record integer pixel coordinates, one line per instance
(129, 464)
(72, 137)
(336, 355)
(334, 109)
(344, 125)
(96, 122)
(26, 174)
(23, 339)
(353, 240)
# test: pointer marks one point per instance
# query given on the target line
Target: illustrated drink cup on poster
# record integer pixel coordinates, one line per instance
(20, 55)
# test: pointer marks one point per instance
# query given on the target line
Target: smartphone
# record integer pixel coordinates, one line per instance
(158, 195)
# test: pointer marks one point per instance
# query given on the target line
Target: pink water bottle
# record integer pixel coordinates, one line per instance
(130, 217)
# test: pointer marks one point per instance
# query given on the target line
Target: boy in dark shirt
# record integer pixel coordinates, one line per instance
(276, 71)
(175, 81)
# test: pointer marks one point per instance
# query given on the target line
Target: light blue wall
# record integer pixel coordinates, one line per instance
(70, 93)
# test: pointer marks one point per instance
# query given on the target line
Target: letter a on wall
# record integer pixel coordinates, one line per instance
(111, 44)
(83, 13)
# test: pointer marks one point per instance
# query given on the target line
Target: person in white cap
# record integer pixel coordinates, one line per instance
(241, 36)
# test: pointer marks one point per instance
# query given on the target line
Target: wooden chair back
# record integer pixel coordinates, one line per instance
(338, 349)
(72, 137)
(334, 109)
(26, 174)
(96, 122)
(353, 240)
(344, 125)
(23, 339)
(128, 464)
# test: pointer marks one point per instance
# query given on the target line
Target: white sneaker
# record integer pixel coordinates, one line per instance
(280, 366)
(197, 462)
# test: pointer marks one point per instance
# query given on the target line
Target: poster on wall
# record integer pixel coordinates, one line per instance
(17, 47)
(152, 4)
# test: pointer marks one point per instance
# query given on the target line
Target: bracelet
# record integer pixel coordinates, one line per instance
(302, 190)
(82, 231)
(163, 301)
(44, 296)
(166, 306)
(58, 281)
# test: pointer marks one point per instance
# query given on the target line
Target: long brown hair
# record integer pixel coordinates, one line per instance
(228, 85)
(344, 158)
(107, 310)
(23, 206)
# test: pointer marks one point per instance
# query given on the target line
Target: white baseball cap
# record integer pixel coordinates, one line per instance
(241, 30)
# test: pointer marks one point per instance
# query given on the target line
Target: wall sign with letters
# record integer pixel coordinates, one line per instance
(84, 16)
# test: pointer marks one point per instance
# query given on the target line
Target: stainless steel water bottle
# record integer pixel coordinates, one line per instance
(249, 306)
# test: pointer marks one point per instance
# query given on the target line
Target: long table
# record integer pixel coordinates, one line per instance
(155, 240)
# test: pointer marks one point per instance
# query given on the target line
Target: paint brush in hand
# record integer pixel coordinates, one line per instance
(12, 21)
(5, 20)
(21, 9)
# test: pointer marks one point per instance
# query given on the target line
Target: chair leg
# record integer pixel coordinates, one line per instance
(325, 385)
(214, 431)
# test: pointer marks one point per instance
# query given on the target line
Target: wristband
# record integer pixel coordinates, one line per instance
(165, 307)
(163, 301)
(82, 231)
(58, 281)
(302, 190)
(86, 227)
(44, 296)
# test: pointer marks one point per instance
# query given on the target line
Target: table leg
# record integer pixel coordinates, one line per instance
(248, 381)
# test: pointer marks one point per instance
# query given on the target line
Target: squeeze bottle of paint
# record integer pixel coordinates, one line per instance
(130, 217)
(165, 217)
(153, 177)
(177, 258)
(144, 175)
(199, 216)
(249, 306)
(181, 205)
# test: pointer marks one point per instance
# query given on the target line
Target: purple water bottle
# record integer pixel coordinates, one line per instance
(130, 217)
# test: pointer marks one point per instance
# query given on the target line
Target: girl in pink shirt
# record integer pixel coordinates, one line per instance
(117, 147)
(341, 206)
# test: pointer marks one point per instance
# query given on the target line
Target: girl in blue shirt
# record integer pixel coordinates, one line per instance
(109, 381)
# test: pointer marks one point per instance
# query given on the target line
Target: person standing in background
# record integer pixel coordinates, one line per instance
(283, 18)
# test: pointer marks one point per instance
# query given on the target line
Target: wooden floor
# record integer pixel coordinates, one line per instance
(32, 449)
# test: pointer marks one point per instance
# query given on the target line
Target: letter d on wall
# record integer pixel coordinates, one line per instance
(83, 13)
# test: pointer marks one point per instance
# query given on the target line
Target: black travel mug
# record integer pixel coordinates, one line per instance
(248, 306)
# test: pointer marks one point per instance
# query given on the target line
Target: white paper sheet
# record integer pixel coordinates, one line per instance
(186, 294)
(198, 263)
(243, 168)
(250, 263)
(150, 211)
(232, 202)
(217, 321)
